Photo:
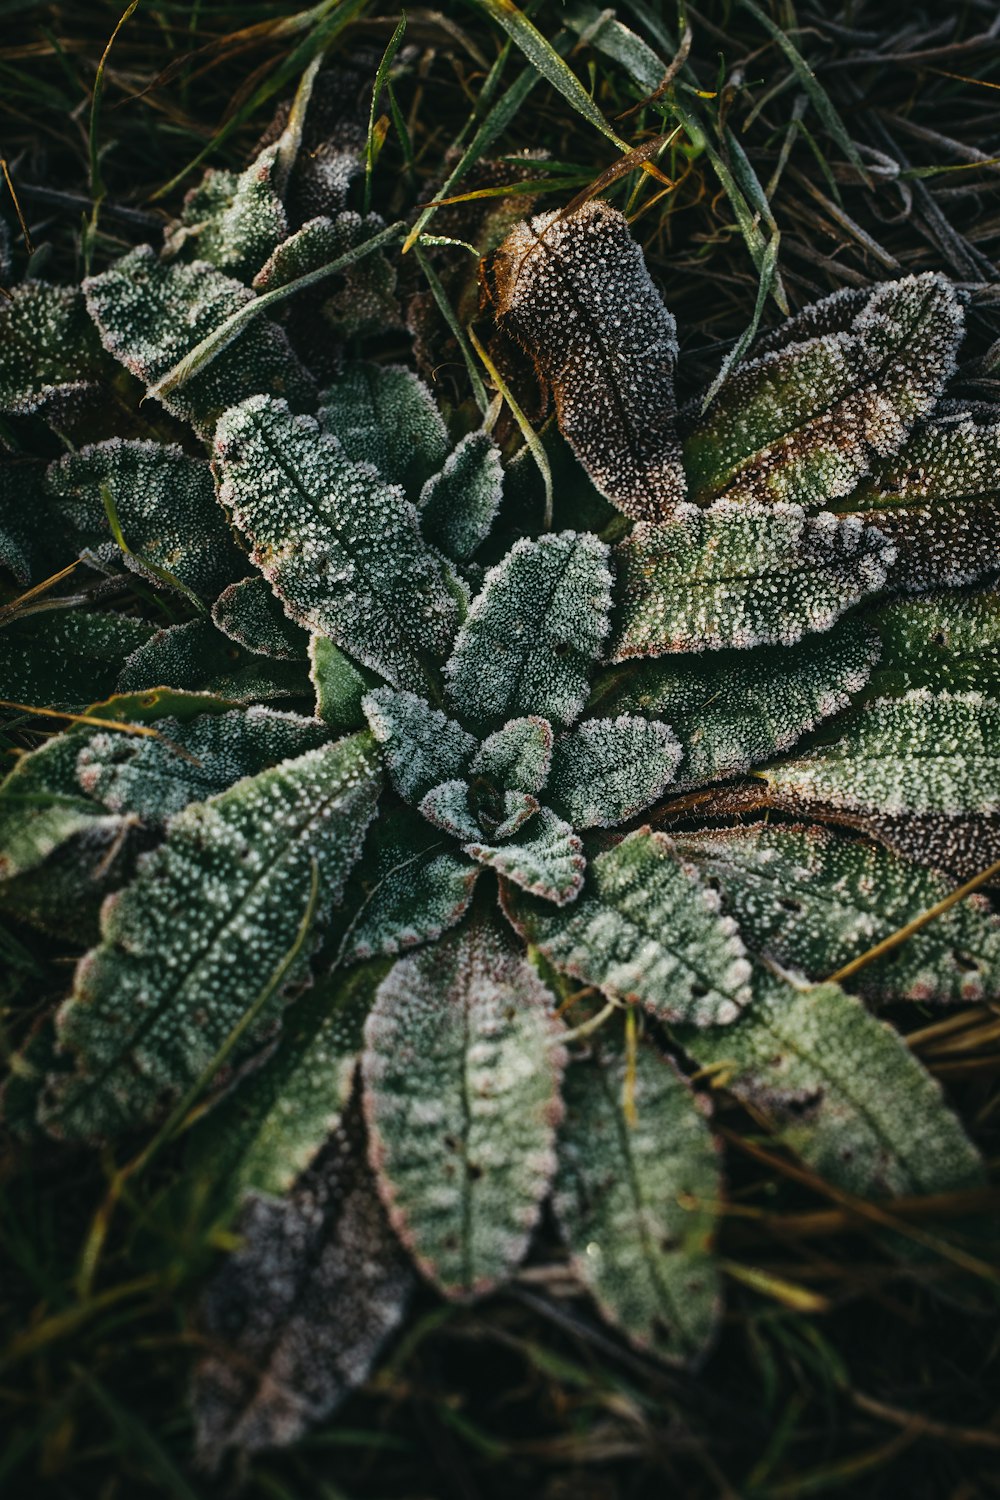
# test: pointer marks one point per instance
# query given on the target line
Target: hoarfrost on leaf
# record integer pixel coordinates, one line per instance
(607, 770)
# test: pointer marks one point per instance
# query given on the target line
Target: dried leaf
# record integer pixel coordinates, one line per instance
(576, 293)
(461, 1072)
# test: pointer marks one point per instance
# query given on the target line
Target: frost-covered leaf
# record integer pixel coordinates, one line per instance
(459, 505)
(341, 548)
(742, 576)
(66, 658)
(544, 858)
(420, 744)
(196, 657)
(150, 314)
(531, 637)
(42, 807)
(734, 709)
(921, 753)
(635, 1197)
(461, 1072)
(251, 616)
(48, 346)
(940, 641)
(516, 757)
(607, 770)
(645, 929)
(271, 1129)
(166, 507)
(841, 1089)
(189, 762)
(297, 1316)
(385, 415)
(804, 423)
(504, 821)
(814, 902)
(233, 219)
(411, 886)
(210, 921)
(366, 303)
(339, 683)
(938, 499)
(448, 807)
(32, 543)
(574, 290)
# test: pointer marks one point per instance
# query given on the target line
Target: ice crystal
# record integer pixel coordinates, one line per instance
(250, 615)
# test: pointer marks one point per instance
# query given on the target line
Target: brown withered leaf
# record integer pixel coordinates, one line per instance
(296, 1318)
(575, 292)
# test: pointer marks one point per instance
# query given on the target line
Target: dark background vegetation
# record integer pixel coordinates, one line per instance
(837, 1371)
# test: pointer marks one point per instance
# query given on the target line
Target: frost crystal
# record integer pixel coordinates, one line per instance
(421, 745)
(575, 291)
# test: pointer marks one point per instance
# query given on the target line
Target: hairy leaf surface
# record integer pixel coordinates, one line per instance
(645, 930)
(607, 770)
(461, 1071)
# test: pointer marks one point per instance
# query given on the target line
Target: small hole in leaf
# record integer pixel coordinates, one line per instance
(788, 903)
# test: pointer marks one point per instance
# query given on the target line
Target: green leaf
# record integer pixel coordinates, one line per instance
(448, 807)
(574, 290)
(544, 858)
(841, 1089)
(533, 634)
(517, 757)
(340, 684)
(463, 1143)
(197, 657)
(271, 1129)
(411, 886)
(734, 709)
(803, 423)
(150, 314)
(340, 547)
(921, 753)
(251, 616)
(814, 902)
(49, 350)
(211, 916)
(940, 641)
(459, 504)
(420, 744)
(740, 576)
(607, 770)
(166, 507)
(43, 806)
(367, 303)
(66, 658)
(645, 930)
(385, 415)
(296, 1317)
(32, 543)
(635, 1197)
(233, 220)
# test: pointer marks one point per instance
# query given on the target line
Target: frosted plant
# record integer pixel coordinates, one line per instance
(460, 864)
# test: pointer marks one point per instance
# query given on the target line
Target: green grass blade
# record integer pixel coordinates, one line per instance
(381, 79)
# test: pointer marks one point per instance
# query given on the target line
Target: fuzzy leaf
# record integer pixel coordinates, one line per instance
(48, 347)
(196, 657)
(803, 423)
(366, 303)
(740, 576)
(234, 219)
(461, 1072)
(921, 753)
(532, 635)
(734, 709)
(155, 778)
(209, 922)
(420, 744)
(384, 415)
(814, 901)
(150, 314)
(340, 548)
(576, 293)
(517, 757)
(297, 1316)
(459, 505)
(411, 886)
(645, 930)
(251, 616)
(66, 658)
(166, 507)
(42, 807)
(607, 770)
(635, 1199)
(447, 807)
(940, 641)
(841, 1089)
(544, 858)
